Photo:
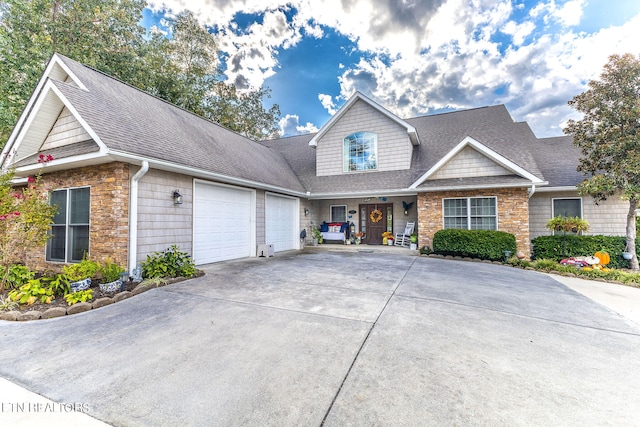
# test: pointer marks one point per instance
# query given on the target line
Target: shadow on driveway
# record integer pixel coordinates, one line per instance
(339, 338)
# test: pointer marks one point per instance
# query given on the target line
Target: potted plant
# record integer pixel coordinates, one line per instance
(80, 274)
(359, 236)
(386, 237)
(110, 273)
(317, 236)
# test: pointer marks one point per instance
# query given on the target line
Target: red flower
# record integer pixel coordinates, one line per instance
(44, 159)
(16, 213)
(31, 179)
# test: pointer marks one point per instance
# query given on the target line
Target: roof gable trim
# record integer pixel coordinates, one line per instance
(483, 149)
(358, 96)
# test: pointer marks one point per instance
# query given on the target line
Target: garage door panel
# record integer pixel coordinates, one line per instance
(222, 223)
(281, 222)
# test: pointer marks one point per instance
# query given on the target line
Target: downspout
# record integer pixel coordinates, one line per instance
(133, 216)
(532, 191)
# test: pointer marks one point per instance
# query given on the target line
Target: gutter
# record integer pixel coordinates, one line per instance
(133, 216)
(532, 191)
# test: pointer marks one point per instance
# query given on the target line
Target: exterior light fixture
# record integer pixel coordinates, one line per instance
(306, 211)
(177, 197)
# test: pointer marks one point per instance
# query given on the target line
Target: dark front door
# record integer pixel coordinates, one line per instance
(376, 221)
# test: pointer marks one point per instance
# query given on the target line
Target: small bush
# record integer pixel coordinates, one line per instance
(18, 275)
(58, 283)
(85, 269)
(483, 244)
(32, 292)
(110, 271)
(80, 296)
(169, 263)
(558, 247)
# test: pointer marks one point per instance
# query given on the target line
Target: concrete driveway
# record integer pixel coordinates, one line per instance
(339, 338)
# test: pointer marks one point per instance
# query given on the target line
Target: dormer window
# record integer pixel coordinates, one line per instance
(360, 152)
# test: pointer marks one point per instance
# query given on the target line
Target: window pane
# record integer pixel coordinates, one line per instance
(56, 245)
(483, 206)
(483, 223)
(360, 151)
(59, 199)
(567, 207)
(338, 214)
(455, 223)
(79, 206)
(79, 242)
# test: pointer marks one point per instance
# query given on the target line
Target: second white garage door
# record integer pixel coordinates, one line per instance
(223, 222)
(282, 222)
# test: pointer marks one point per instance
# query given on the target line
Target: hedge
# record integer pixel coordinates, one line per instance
(559, 246)
(483, 244)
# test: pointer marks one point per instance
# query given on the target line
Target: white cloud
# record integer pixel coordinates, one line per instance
(422, 56)
(518, 32)
(327, 103)
(290, 126)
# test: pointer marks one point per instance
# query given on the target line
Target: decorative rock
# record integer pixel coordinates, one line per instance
(54, 312)
(142, 287)
(101, 302)
(122, 295)
(29, 315)
(79, 308)
(9, 315)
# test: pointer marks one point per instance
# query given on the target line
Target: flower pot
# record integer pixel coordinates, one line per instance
(118, 285)
(315, 242)
(627, 255)
(390, 242)
(80, 285)
(414, 246)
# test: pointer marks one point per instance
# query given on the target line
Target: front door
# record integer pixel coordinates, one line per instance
(377, 217)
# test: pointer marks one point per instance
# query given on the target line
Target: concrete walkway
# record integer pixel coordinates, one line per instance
(328, 337)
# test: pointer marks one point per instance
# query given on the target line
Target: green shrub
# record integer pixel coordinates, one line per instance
(559, 247)
(169, 263)
(483, 244)
(58, 283)
(110, 271)
(85, 269)
(31, 292)
(18, 275)
(6, 304)
(80, 296)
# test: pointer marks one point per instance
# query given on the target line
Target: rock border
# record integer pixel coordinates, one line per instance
(81, 307)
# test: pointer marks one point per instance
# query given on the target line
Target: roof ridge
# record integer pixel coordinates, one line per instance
(455, 111)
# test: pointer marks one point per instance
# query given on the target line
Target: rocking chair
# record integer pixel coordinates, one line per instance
(404, 238)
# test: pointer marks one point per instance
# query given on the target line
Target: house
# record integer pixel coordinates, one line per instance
(133, 174)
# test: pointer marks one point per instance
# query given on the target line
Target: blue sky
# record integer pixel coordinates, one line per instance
(417, 57)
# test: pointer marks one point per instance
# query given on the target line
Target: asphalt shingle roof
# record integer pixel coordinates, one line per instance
(131, 121)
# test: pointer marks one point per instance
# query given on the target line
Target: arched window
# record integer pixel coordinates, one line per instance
(360, 152)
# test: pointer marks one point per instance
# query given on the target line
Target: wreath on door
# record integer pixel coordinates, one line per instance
(375, 215)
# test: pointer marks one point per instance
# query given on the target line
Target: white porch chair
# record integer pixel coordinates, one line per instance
(404, 238)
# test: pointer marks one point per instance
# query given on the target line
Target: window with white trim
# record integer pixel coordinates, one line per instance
(470, 213)
(360, 152)
(339, 213)
(569, 208)
(70, 229)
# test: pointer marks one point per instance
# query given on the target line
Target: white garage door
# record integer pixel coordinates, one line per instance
(223, 218)
(282, 222)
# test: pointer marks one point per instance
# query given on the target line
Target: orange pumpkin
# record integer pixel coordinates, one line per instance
(603, 256)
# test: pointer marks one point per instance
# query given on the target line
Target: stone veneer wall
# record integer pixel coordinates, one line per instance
(513, 213)
(109, 220)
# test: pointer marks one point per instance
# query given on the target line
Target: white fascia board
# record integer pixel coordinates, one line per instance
(50, 88)
(357, 195)
(476, 187)
(411, 131)
(483, 149)
(554, 189)
(36, 97)
(200, 173)
(65, 163)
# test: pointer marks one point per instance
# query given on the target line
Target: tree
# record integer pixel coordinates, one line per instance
(104, 34)
(25, 221)
(609, 137)
(185, 71)
(182, 68)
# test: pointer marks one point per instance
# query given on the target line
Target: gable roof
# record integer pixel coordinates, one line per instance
(357, 96)
(130, 125)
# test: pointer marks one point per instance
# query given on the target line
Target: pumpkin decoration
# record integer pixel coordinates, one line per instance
(603, 257)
